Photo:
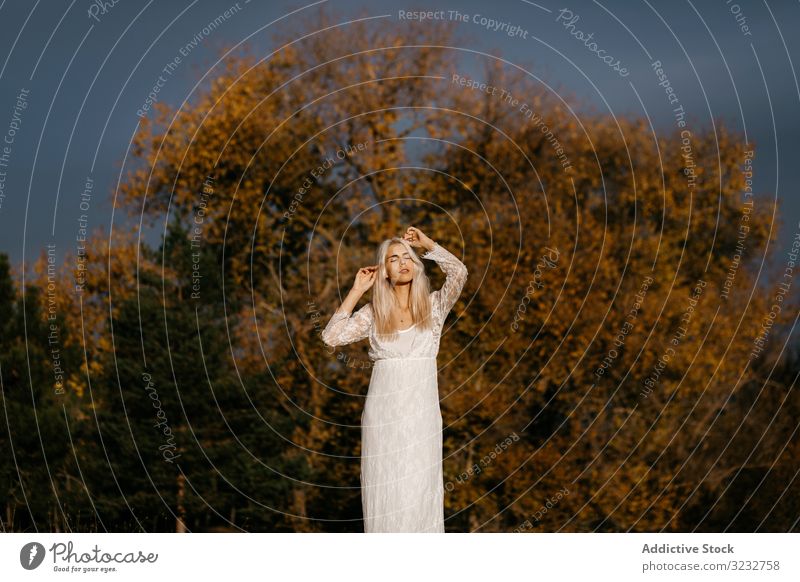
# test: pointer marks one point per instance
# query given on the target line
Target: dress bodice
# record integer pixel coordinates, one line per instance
(344, 328)
(405, 340)
(410, 343)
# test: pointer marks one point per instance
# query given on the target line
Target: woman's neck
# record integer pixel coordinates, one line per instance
(401, 293)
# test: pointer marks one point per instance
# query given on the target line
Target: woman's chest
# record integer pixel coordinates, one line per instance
(411, 341)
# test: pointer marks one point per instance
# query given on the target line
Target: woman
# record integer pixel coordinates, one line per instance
(401, 427)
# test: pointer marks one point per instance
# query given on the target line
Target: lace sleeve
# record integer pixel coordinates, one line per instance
(345, 329)
(456, 275)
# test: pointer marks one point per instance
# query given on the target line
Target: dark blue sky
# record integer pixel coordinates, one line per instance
(86, 77)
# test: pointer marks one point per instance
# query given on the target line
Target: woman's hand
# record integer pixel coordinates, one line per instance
(365, 278)
(416, 238)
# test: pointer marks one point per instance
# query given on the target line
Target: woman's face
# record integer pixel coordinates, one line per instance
(399, 266)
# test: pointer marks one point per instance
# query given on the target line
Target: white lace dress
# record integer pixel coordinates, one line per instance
(402, 488)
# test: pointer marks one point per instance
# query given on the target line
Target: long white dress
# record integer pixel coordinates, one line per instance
(402, 488)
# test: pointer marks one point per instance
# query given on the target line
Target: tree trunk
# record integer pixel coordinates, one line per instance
(180, 523)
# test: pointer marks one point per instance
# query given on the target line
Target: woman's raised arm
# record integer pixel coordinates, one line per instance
(345, 329)
(342, 328)
(456, 275)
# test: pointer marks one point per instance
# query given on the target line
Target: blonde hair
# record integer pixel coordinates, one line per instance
(384, 299)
